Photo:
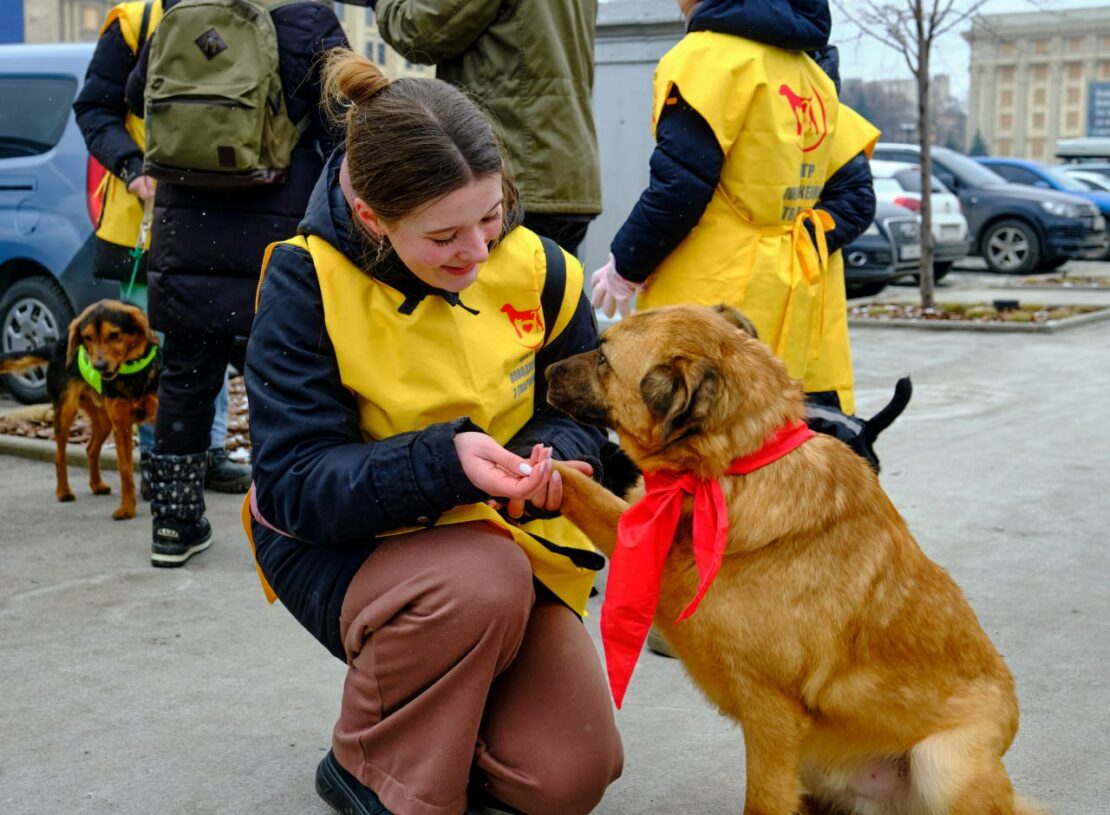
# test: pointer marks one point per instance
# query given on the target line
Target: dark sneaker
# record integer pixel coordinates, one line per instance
(343, 792)
(144, 481)
(658, 644)
(177, 541)
(224, 475)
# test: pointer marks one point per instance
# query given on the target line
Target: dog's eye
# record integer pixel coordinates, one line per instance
(601, 360)
(113, 335)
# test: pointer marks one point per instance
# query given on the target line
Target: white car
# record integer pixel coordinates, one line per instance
(1092, 181)
(899, 183)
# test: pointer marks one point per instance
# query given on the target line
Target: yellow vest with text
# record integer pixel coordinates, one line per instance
(122, 213)
(441, 362)
(783, 134)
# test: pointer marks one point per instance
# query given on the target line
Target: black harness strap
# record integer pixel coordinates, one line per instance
(554, 285)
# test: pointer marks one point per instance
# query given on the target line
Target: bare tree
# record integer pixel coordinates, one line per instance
(911, 28)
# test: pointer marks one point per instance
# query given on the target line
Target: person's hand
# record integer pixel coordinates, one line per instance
(500, 472)
(549, 497)
(610, 291)
(142, 186)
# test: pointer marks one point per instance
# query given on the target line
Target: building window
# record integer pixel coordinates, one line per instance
(1006, 98)
(1073, 96)
(339, 9)
(1071, 122)
(370, 50)
(1038, 96)
(1036, 147)
(1040, 46)
(1104, 69)
(1075, 70)
(1003, 147)
(381, 53)
(1006, 73)
(1006, 49)
(1006, 121)
(1040, 73)
(1038, 121)
(1075, 43)
(369, 16)
(1106, 42)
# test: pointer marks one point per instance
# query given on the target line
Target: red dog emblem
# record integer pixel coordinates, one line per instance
(811, 126)
(526, 323)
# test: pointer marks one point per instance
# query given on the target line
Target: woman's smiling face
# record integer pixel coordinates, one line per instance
(445, 242)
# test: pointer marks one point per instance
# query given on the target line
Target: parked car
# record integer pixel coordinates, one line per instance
(900, 183)
(889, 248)
(1090, 180)
(46, 185)
(1015, 229)
(1100, 168)
(1047, 177)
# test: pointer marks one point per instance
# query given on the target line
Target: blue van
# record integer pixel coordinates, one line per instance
(47, 186)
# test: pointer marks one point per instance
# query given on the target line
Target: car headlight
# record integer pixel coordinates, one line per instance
(872, 229)
(1060, 209)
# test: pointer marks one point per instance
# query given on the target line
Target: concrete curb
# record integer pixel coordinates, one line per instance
(43, 450)
(1050, 327)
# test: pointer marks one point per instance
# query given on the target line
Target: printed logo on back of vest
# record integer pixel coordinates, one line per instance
(810, 122)
(527, 325)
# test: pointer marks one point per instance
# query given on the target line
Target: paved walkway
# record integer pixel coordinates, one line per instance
(131, 690)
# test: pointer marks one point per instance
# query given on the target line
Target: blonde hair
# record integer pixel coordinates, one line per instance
(410, 141)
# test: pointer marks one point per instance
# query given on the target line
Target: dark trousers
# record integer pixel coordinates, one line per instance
(193, 368)
(566, 230)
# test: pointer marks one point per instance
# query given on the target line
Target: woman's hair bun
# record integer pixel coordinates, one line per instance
(351, 78)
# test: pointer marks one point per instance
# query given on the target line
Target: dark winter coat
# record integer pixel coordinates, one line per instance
(315, 476)
(686, 163)
(207, 244)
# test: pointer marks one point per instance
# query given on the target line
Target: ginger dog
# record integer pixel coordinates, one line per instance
(858, 671)
(119, 350)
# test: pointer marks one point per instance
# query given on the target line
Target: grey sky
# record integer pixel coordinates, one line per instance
(862, 57)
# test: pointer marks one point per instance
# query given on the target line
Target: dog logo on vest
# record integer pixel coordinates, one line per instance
(810, 124)
(527, 323)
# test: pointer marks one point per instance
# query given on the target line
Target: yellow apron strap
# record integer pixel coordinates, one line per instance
(821, 221)
(246, 516)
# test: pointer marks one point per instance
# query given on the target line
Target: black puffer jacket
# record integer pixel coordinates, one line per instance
(207, 244)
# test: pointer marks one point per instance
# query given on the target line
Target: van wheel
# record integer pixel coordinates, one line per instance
(865, 289)
(1011, 247)
(33, 312)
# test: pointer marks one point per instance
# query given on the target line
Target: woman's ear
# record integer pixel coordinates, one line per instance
(368, 217)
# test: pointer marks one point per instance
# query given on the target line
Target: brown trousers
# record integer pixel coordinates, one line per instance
(458, 674)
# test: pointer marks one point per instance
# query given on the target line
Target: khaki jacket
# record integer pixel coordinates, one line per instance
(530, 63)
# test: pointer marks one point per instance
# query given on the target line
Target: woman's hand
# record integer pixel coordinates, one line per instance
(499, 472)
(142, 186)
(549, 497)
(610, 292)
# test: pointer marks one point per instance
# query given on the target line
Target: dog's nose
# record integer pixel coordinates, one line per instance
(102, 366)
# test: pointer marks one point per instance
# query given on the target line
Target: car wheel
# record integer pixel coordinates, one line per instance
(865, 289)
(941, 270)
(33, 312)
(1011, 247)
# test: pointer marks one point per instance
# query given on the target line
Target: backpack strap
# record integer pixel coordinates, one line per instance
(554, 285)
(144, 26)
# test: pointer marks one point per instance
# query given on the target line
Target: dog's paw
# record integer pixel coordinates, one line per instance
(66, 497)
(101, 488)
(123, 513)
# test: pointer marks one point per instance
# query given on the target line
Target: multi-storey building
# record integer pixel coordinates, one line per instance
(1038, 77)
(362, 31)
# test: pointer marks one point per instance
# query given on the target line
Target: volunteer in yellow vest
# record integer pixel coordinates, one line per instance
(750, 139)
(115, 138)
(404, 507)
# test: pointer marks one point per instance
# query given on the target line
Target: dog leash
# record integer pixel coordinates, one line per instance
(140, 250)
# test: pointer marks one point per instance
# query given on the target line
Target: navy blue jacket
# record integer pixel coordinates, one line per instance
(315, 477)
(686, 163)
(207, 244)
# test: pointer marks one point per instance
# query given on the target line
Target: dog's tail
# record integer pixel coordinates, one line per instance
(903, 390)
(21, 360)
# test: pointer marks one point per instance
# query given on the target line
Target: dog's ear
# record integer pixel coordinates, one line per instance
(734, 316)
(138, 316)
(680, 393)
(75, 332)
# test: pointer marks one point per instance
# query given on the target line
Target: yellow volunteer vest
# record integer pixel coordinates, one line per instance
(441, 362)
(783, 133)
(121, 212)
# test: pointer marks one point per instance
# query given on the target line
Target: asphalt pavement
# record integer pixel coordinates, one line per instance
(125, 689)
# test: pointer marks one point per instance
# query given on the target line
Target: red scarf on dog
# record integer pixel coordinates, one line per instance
(645, 533)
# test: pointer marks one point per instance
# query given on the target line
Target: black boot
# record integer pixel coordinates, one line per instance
(343, 792)
(224, 475)
(177, 489)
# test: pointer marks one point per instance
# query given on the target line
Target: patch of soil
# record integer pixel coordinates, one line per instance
(238, 435)
(1000, 311)
(1069, 281)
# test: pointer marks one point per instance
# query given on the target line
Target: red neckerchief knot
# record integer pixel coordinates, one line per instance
(645, 533)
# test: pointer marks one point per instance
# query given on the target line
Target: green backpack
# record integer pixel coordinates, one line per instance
(215, 113)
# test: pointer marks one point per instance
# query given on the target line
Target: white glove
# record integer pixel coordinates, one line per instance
(611, 292)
